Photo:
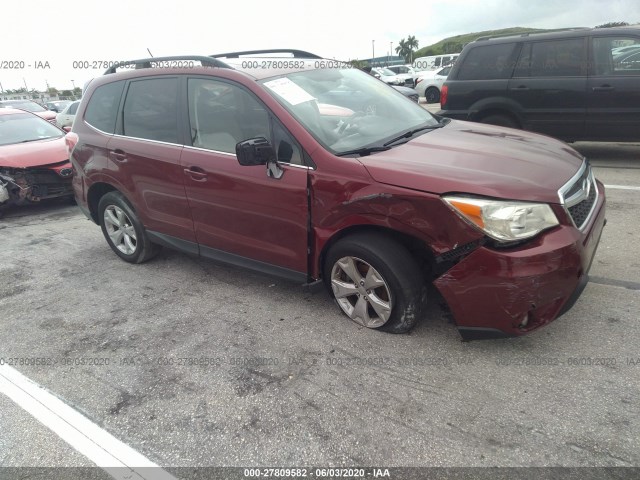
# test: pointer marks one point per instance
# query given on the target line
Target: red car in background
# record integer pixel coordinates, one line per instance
(34, 160)
(32, 107)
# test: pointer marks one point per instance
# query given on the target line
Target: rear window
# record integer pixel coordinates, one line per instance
(151, 110)
(102, 110)
(487, 62)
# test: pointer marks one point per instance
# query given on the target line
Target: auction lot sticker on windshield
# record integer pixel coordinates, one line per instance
(292, 93)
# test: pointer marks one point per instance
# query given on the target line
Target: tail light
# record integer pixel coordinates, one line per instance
(444, 92)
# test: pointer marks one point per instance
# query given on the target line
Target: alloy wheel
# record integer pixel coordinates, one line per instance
(120, 229)
(361, 292)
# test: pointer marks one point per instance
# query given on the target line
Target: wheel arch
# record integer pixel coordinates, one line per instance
(496, 106)
(416, 247)
(95, 193)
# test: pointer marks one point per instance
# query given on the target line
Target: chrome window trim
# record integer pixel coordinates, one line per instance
(149, 140)
(282, 164)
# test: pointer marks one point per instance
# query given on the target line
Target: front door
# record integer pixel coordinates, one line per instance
(614, 89)
(241, 214)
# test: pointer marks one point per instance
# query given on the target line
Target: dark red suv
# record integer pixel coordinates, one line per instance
(313, 171)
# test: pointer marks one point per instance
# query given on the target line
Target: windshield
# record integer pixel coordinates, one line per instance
(347, 109)
(386, 71)
(28, 106)
(24, 127)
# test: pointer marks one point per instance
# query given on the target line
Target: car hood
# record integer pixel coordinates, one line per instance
(34, 154)
(467, 157)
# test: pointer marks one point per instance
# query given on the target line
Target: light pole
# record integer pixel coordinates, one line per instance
(391, 48)
(373, 50)
(74, 85)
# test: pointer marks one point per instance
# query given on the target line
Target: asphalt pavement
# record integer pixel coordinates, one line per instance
(193, 363)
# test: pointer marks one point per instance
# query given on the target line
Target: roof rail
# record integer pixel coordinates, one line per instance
(146, 62)
(526, 34)
(295, 53)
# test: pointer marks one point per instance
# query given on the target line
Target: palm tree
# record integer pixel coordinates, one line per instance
(403, 49)
(412, 45)
(406, 48)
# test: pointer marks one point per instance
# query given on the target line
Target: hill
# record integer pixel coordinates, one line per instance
(455, 44)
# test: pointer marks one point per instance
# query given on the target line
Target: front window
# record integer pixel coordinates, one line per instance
(346, 109)
(24, 127)
(616, 55)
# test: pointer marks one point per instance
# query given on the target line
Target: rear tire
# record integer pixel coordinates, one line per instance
(123, 230)
(376, 282)
(500, 121)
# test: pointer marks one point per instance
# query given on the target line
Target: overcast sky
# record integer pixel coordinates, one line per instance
(89, 30)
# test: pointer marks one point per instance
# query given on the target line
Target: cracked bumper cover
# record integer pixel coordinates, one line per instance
(491, 292)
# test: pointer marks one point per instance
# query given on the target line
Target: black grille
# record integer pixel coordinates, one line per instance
(580, 211)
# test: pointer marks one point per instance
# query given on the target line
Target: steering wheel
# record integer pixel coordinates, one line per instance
(350, 121)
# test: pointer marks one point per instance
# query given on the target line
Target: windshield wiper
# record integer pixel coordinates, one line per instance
(364, 151)
(411, 133)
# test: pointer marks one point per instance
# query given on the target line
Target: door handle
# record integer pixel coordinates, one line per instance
(196, 174)
(603, 88)
(119, 156)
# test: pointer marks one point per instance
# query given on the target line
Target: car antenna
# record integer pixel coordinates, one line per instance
(150, 54)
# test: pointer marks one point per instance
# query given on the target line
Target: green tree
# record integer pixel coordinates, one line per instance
(403, 50)
(451, 47)
(413, 44)
(358, 63)
(53, 91)
(77, 91)
(613, 24)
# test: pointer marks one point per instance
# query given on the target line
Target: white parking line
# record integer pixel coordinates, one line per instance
(107, 452)
(621, 187)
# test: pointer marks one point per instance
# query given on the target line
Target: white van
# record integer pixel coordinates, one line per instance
(434, 61)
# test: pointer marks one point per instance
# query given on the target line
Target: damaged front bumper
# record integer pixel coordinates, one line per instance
(504, 293)
(19, 186)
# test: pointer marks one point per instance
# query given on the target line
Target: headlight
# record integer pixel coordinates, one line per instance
(505, 221)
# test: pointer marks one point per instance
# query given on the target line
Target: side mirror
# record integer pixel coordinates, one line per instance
(255, 151)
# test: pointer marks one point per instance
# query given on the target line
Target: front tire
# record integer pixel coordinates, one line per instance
(432, 95)
(123, 230)
(375, 282)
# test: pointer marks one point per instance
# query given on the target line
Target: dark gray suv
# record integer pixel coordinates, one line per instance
(580, 84)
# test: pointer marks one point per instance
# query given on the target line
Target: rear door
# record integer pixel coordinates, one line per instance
(614, 89)
(145, 156)
(241, 214)
(550, 86)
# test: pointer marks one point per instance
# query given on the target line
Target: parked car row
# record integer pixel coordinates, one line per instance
(30, 106)
(390, 77)
(427, 83)
(60, 113)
